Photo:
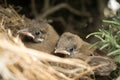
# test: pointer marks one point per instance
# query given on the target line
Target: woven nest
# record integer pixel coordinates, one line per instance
(18, 62)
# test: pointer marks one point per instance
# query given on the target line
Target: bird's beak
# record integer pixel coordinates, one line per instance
(62, 52)
(26, 33)
(40, 40)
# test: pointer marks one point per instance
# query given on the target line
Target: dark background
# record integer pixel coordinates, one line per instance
(88, 19)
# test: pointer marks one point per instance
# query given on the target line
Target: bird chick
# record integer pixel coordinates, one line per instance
(108, 65)
(39, 35)
(72, 46)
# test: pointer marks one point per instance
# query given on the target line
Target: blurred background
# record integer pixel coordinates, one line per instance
(81, 17)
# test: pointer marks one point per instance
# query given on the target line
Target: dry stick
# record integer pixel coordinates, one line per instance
(83, 5)
(44, 73)
(46, 5)
(50, 69)
(12, 14)
(41, 73)
(33, 6)
(60, 6)
(4, 71)
(37, 71)
(17, 72)
(41, 55)
(5, 2)
(2, 23)
(54, 72)
(25, 65)
(29, 74)
(3, 11)
(101, 6)
(34, 68)
(17, 16)
(61, 20)
(73, 71)
(86, 72)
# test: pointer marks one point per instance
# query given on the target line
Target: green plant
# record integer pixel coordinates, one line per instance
(109, 37)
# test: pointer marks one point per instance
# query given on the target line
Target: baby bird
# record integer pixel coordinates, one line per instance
(72, 46)
(108, 65)
(39, 35)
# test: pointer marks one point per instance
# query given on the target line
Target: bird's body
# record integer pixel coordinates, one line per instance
(73, 46)
(105, 70)
(39, 35)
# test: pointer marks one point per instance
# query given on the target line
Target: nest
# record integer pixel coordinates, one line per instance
(18, 62)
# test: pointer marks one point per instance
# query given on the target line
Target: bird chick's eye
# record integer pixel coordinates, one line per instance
(71, 49)
(37, 33)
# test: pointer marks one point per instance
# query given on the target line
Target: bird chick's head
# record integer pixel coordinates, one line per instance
(35, 31)
(68, 44)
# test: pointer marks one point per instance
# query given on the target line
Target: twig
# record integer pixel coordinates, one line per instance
(61, 6)
(101, 6)
(17, 72)
(68, 71)
(34, 11)
(88, 71)
(61, 20)
(46, 5)
(5, 2)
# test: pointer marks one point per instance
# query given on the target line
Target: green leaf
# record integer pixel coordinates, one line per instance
(104, 46)
(97, 36)
(112, 22)
(114, 52)
(95, 33)
(117, 58)
(93, 45)
(109, 37)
